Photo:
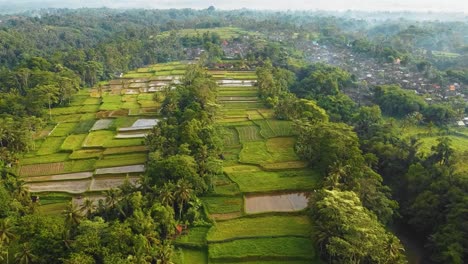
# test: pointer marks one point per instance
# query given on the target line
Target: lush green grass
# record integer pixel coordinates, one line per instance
(122, 150)
(116, 99)
(275, 128)
(224, 32)
(231, 137)
(113, 143)
(121, 160)
(252, 179)
(121, 122)
(51, 145)
(149, 104)
(190, 256)
(133, 74)
(92, 101)
(110, 106)
(89, 108)
(443, 54)
(459, 144)
(54, 198)
(73, 142)
(65, 110)
(265, 226)
(86, 154)
(241, 105)
(73, 118)
(98, 138)
(84, 126)
(232, 92)
(266, 248)
(87, 116)
(196, 236)
(231, 155)
(295, 164)
(56, 157)
(80, 165)
(274, 150)
(266, 113)
(52, 208)
(78, 99)
(130, 105)
(63, 130)
(222, 205)
(248, 133)
(224, 186)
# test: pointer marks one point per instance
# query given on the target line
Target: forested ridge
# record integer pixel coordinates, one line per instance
(386, 155)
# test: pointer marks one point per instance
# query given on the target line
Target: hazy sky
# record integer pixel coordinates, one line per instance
(392, 5)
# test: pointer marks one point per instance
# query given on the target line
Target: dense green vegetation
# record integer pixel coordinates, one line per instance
(252, 119)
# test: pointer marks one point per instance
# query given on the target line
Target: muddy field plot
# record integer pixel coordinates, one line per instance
(106, 183)
(102, 124)
(42, 169)
(78, 186)
(276, 203)
(141, 124)
(121, 170)
(60, 177)
(136, 134)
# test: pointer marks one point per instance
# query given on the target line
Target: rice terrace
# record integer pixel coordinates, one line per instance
(256, 206)
(198, 135)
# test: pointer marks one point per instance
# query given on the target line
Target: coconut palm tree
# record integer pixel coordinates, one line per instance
(394, 248)
(6, 231)
(72, 215)
(164, 254)
(183, 192)
(24, 255)
(87, 207)
(112, 197)
(166, 195)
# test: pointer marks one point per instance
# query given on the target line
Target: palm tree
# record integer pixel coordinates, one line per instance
(394, 247)
(166, 195)
(72, 215)
(21, 190)
(51, 92)
(6, 231)
(183, 193)
(24, 256)
(164, 254)
(87, 207)
(112, 197)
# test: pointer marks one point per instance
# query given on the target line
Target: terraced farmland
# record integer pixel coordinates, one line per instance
(97, 142)
(258, 204)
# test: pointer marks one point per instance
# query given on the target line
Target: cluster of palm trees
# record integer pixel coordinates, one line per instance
(7, 235)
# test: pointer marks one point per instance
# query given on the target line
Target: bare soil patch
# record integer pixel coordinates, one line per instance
(276, 203)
